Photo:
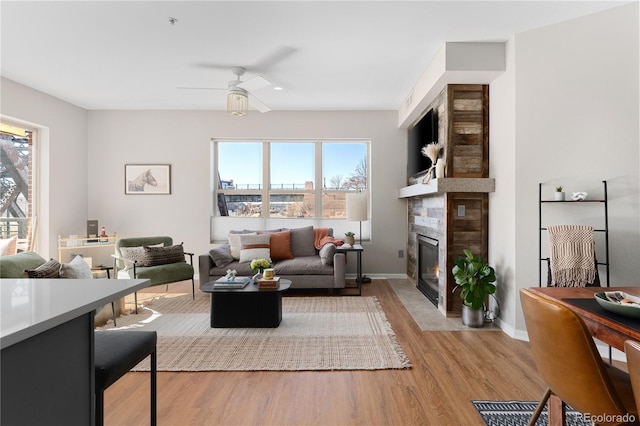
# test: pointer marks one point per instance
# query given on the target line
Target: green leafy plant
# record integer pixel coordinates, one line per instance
(475, 278)
(349, 234)
(558, 189)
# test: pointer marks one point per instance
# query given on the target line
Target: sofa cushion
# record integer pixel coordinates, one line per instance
(242, 269)
(9, 247)
(303, 265)
(163, 255)
(255, 246)
(49, 269)
(77, 268)
(302, 241)
(235, 243)
(281, 245)
(221, 255)
(326, 253)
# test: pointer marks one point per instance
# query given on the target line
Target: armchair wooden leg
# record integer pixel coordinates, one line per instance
(113, 312)
(540, 407)
(193, 289)
(135, 299)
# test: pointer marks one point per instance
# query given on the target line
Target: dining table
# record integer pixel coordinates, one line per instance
(608, 327)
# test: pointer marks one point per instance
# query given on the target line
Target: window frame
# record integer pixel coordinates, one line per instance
(11, 127)
(220, 225)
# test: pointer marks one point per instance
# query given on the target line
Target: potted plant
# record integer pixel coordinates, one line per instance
(477, 281)
(349, 238)
(258, 266)
(559, 195)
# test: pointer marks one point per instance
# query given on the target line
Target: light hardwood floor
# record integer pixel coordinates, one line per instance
(449, 370)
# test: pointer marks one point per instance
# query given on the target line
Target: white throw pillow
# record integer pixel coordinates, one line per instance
(77, 268)
(255, 246)
(9, 246)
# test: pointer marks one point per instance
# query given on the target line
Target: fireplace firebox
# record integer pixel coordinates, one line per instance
(428, 269)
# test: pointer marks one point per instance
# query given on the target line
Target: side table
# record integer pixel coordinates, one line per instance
(358, 249)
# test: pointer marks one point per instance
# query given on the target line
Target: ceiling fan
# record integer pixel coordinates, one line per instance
(238, 93)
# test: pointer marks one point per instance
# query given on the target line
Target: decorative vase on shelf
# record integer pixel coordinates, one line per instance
(440, 168)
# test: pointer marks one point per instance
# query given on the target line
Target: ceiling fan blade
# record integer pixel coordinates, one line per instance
(258, 104)
(278, 55)
(201, 88)
(255, 83)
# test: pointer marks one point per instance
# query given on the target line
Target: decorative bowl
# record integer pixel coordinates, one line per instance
(617, 308)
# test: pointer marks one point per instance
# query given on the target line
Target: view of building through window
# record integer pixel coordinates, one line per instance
(305, 178)
(16, 183)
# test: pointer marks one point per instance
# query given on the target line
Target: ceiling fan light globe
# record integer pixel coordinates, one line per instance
(237, 103)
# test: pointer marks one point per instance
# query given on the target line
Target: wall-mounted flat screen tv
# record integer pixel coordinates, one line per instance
(424, 132)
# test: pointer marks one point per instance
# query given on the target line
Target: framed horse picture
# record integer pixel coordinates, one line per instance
(147, 179)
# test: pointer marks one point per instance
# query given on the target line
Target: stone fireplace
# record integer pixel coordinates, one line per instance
(450, 214)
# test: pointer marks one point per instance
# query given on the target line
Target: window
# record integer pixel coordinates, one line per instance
(16, 183)
(285, 180)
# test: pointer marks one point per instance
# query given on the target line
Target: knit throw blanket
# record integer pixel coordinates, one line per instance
(572, 255)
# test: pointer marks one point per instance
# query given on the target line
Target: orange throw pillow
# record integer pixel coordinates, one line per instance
(281, 245)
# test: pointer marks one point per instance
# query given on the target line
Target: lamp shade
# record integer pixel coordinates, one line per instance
(357, 206)
(237, 102)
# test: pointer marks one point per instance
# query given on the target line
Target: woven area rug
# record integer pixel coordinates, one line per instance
(516, 413)
(316, 333)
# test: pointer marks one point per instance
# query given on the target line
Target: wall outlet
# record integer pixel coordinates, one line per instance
(461, 210)
(400, 254)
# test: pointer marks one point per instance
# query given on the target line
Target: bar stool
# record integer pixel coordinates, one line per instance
(117, 352)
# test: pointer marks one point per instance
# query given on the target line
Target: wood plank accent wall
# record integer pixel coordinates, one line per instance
(463, 129)
(467, 147)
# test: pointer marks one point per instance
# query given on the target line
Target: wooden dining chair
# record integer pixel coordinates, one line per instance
(632, 350)
(568, 361)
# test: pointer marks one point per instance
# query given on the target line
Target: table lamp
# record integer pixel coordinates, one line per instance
(357, 211)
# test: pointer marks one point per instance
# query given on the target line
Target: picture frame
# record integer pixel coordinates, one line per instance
(147, 179)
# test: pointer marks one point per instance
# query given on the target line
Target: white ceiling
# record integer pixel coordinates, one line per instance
(362, 55)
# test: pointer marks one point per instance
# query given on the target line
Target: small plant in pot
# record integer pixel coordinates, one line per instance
(349, 238)
(477, 281)
(559, 194)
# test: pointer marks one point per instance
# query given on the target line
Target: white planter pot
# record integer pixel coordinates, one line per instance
(559, 196)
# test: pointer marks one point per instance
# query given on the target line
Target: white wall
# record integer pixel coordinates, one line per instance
(502, 216)
(63, 185)
(182, 139)
(575, 87)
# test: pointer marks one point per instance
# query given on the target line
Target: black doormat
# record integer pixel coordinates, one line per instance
(516, 413)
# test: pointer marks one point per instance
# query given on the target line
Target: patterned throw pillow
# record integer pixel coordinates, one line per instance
(77, 268)
(255, 247)
(234, 242)
(164, 255)
(50, 269)
(134, 254)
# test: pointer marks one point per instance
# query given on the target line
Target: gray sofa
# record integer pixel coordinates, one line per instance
(304, 265)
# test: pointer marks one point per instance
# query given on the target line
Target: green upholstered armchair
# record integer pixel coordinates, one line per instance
(132, 260)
